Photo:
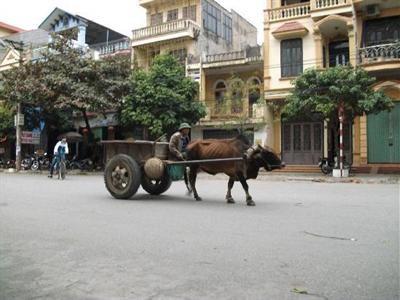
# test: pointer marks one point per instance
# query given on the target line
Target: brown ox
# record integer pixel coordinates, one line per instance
(255, 158)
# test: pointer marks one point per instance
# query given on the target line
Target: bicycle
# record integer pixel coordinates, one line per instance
(61, 168)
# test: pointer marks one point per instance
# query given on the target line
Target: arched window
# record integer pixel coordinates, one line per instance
(236, 91)
(254, 93)
(219, 94)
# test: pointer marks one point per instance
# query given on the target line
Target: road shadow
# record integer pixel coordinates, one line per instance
(188, 200)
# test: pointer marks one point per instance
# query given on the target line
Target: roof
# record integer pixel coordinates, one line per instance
(10, 27)
(290, 26)
(95, 33)
(32, 38)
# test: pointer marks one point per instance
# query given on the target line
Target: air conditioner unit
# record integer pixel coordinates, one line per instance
(372, 10)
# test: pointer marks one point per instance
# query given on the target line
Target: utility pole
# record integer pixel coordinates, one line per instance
(18, 46)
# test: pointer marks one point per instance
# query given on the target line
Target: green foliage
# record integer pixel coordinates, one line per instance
(6, 118)
(67, 78)
(322, 92)
(162, 98)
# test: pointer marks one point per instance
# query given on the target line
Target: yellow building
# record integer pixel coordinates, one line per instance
(219, 49)
(7, 56)
(231, 87)
(321, 34)
(6, 29)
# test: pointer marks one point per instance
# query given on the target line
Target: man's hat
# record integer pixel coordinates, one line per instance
(184, 126)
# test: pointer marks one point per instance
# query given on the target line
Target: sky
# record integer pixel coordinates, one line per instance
(120, 15)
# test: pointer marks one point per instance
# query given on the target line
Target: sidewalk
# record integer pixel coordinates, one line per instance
(265, 176)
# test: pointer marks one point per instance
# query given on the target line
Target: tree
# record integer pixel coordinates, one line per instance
(6, 119)
(336, 94)
(162, 98)
(67, 78)
(81, 83)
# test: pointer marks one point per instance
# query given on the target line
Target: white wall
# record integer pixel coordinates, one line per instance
(275, 53)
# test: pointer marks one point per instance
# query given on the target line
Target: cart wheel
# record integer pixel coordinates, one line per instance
(122, 176)
(156, 187)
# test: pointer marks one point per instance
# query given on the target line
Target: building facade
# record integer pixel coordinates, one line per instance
(101, 40)
(189, 30)
(321, 34)
(232, 91)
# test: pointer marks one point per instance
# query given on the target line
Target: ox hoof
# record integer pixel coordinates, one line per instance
(251, 203)
(199, 199)
(230, 200)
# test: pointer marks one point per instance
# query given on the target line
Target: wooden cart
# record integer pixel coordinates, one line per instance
(129, 164)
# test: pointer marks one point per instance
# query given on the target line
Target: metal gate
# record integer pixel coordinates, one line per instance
(302, 143)
(384, 136)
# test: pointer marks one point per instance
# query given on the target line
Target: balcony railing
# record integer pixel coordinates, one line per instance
(322, 4)
(165, 28)
(380, 53)
(232, 110)
(250, 54)
(112, 47)
(299, 10)
(289, 12)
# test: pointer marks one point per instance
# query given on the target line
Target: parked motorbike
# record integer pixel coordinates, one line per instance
(10, 164)
(26, 163)
(2, 163)
(40, 162)
(327, 165)
(83, 165)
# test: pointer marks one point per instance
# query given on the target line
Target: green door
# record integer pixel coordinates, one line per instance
(384, 137)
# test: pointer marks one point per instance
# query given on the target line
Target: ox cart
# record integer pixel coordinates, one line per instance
(129, 164)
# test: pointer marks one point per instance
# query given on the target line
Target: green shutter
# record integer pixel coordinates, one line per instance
(384, 137)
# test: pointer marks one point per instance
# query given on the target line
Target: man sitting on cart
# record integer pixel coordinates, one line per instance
(60, 150)
(179, 142)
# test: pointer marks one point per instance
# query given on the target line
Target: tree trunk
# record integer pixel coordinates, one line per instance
(87, 146)
(85, 117)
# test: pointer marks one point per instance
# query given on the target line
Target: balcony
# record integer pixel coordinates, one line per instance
(314, 8)
(165, 32)
(251, 54)
(288, 12)
(379, 57)
(231, 111)
(113, 47)
(322, 8)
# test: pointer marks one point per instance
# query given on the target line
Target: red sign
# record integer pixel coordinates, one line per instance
(30, 137)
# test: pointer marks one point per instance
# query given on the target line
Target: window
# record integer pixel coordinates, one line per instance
(220, 91)
(212, 18)
(190, 13)
(152, 56)
(236, 90)
(254, 93)
(382, 31)
(65, 21)
(291, 57)
(172, 15)
(227, 31)
(156, 19)
(180, 55)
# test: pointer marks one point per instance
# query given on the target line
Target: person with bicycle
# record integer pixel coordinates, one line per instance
(60, 150)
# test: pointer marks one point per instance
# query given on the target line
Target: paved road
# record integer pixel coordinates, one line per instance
(70, 240)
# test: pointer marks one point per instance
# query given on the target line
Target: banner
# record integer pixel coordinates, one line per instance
(30, 137)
